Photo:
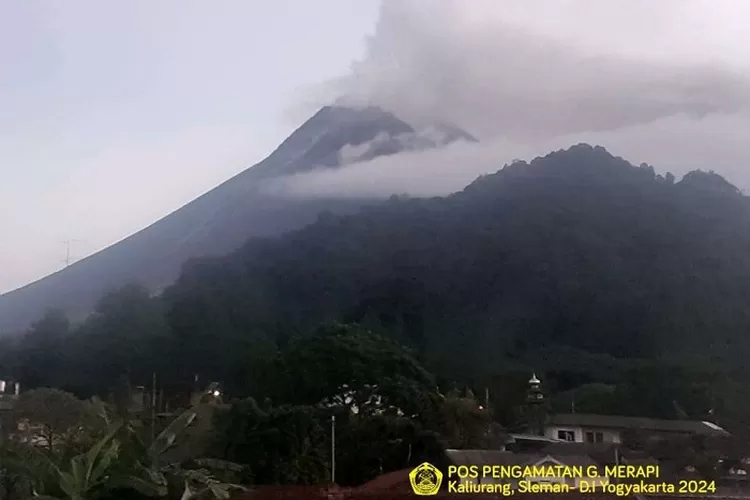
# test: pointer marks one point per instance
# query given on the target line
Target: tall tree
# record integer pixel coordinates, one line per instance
(40, 358)
(52, 415)
(348, 366)
(127, 336)
(280, 445)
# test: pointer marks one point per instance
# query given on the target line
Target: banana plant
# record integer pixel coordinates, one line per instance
(205, 487)
(89, 475)
(123, 460)
(142, 459)
(153, 474)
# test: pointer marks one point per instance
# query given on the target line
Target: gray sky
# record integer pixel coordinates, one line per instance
(114, 114)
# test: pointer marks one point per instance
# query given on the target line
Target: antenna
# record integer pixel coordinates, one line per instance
(68, 257)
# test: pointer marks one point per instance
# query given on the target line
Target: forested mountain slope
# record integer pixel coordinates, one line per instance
(572, 262)
(221, 220)
(626, 291)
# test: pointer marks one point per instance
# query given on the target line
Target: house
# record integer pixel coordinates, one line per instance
(9, 392)
(519, 442)
(592, 428)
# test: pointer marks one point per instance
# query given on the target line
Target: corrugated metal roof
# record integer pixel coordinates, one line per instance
(620, 422)
(534, 437)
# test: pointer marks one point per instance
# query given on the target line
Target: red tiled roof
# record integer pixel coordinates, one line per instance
(396, 481)
(319, 493)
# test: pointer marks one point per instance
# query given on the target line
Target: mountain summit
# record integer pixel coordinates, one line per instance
(338, 135)
(224, 218)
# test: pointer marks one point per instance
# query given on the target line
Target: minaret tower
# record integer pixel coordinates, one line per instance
(536, 406)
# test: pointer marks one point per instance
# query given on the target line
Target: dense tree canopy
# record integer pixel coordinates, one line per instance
(578, 265)
(625, 291)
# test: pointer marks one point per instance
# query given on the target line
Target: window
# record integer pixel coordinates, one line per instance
(566, 435)
(594, 437)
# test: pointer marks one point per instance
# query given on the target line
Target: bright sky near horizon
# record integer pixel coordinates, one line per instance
(113, 114)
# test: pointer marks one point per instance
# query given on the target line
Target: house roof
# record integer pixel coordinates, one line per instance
(395, 481)
(533, 437)
(619, 422)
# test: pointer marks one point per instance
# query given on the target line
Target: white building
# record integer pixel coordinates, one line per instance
(592, 428)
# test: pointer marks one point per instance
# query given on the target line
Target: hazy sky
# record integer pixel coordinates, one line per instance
(114, 114)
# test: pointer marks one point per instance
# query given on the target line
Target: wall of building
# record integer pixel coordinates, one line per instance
(608, 435)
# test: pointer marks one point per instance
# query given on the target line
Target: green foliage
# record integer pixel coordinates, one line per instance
(578, 253)
(119, 465)
(625, 288)
(345, 365)
(52, 415)
(40, 361)
(368, 446)
(151, 469)
(464, 423)
(588, 398)
(388, 413)
(658, 385)
(127, 335)
(576, 263)
(88, 476)
(279, 445)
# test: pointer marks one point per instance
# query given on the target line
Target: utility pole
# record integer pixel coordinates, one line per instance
(333, 449)
(153, 407)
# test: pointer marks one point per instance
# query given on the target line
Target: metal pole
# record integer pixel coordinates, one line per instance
(153, 406)
(153, 392)
(333, 449)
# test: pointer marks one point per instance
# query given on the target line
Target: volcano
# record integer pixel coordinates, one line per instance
(221, 220)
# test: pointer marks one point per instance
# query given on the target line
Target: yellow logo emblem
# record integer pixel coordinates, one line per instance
(426, 480)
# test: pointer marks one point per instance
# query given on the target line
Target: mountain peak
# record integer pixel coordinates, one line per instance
(339, 135)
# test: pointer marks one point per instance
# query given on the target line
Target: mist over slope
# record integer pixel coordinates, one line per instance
(225, 217)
